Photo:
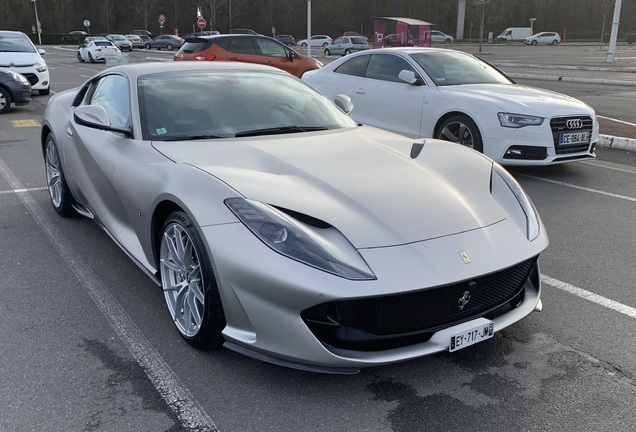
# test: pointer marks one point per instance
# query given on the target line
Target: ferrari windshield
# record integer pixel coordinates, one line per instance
(455, 68)
(223, 104)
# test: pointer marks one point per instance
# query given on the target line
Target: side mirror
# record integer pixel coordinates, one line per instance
(96, 117)
(409, 77)
(344, 103)
(41, 51)
(291, 56)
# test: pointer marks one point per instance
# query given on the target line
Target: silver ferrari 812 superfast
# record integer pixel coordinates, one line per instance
(282, 229)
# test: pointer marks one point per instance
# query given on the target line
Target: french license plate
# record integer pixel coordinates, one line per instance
(471, 337)
(574, 138)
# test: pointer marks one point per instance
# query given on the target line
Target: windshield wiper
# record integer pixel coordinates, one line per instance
(280, 130)
(192, 137)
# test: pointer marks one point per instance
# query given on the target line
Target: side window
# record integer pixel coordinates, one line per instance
(270, 48)
(387, 67)
(241, 46)
(339, 40)
(112, 93)
(356, 66)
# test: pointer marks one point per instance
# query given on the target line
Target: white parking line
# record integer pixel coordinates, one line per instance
(22, 190)
(603, 165)
(600, 192)
(618, 121)
(176, 396)
(594, 298)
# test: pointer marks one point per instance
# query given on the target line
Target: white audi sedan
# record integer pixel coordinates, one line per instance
(454, 96)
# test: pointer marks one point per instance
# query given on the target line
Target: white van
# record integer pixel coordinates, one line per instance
(514, 33)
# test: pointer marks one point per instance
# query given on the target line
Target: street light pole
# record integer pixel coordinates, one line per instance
(37, 22)
(481, 27)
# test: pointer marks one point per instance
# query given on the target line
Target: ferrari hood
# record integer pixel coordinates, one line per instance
(520, 99)
(362, 181)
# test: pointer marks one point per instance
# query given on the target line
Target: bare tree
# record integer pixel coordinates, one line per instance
(144, 8)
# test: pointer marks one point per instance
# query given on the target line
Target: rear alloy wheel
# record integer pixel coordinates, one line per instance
(555, 42)
(5, 100)
(170, 47)
(462, 130)
(59, 193)
(189, 285)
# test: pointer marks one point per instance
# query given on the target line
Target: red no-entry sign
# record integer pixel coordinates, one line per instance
(201, 22)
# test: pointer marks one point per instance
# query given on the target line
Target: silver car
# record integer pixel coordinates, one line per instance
(120, 41)
(280, 228)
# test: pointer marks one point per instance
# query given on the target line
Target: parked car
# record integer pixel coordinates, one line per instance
(391, 40)
(514, 33)
(247, 48)
(543, 38)
(168, 42)
(278, 227)
(438, 36)
(353, 33)
(452, 95)
(136, 41)
(78, 33)
(18, 54)
(315, 41)
(97, 50)
(120, 41)
(286, 39)
(88, 39)
(141, 33)
(345, 45)
(14, 88)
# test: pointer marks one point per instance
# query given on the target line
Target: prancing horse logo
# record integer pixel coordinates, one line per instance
(464, 300)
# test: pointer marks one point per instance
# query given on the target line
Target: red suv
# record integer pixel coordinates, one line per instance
(246, 48)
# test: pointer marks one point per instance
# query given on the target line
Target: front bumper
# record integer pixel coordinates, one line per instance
(264, 294)
(38, 80)
(21, 93)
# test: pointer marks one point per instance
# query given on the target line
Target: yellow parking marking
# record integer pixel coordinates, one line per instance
(25, 123)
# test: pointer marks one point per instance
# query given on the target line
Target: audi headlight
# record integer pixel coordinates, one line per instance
(518, 120)
(19, 77)
(40, 66)
(324, 247)
(512, 198)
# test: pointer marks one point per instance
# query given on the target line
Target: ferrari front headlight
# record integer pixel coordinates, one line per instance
(317, 245)
(518, 120)
(513, 199)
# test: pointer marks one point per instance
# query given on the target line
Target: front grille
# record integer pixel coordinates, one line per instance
(559, 125)
(33, 78)
(401, 319)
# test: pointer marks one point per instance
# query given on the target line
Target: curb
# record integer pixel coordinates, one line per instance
(617, 143)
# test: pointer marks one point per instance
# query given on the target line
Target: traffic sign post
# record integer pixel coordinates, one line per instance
(162, 21)
(87, 24)
(201, 23)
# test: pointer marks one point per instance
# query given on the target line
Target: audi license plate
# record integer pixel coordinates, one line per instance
(472, 336)
(574, 138)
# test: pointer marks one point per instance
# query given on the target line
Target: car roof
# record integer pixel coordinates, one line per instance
(134, 70)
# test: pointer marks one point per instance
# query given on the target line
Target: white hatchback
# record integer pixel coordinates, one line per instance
(543, 38)
(17, 53)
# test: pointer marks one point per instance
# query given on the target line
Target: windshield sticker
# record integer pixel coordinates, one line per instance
(161, 131)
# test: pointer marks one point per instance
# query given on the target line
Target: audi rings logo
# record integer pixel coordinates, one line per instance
(574, 123)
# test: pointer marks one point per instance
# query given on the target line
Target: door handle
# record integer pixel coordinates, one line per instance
(360, 90)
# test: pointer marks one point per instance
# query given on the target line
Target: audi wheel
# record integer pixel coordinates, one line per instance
(462, 130)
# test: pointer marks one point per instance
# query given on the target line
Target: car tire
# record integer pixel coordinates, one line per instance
(170, 47)
(555, 42)
(59, 192)
(45, 91)
(189, 284)
(534, 42)
(325, 44)
(327, 52)
(461, 129)
(130, 49)
(5, 100)
(79, 57)
(347, 52)
(147, 46)
(304, 45)
(447, 40)
(90, 58)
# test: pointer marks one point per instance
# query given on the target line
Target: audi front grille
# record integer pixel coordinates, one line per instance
(561, 125)
(385, 322)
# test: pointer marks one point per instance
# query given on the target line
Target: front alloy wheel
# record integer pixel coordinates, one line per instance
(462, 130)
(189, 285)
(59, 193)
